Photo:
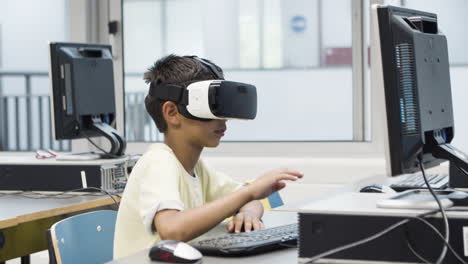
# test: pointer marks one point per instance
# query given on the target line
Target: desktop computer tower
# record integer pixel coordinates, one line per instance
(346, 218)
(30, 174)
(323, 232)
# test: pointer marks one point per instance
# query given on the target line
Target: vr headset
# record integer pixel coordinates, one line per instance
(211, 99)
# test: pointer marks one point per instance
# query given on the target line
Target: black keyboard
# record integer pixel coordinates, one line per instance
(416, 181)
(248, 243)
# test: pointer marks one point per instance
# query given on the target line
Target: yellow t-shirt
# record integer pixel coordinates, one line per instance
(157, 182)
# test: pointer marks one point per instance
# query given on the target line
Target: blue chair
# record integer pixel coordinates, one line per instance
(84, 238)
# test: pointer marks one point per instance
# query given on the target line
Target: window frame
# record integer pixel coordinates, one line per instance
(367, 124)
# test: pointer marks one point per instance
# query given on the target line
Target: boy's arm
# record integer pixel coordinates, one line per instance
(190, 223)
(249, 217)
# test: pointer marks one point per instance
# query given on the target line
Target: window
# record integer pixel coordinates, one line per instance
(297, 52)
(24, 85)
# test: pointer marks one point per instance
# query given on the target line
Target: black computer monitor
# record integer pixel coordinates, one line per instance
(82, 90)
(418, 98)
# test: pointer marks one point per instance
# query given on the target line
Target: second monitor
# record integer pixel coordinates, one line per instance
(83, 98)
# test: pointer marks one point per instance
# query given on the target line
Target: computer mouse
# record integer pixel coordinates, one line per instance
(174, 252)
(376, 188)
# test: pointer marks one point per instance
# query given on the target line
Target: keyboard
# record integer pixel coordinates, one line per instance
(416, 181)
(249, 243)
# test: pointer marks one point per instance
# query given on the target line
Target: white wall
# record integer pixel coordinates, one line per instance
(300, 46)
(139, 42)
(459, 80)
(451, 19)
(336, 23)
(317, 170)
(27, 27)
(221, 32)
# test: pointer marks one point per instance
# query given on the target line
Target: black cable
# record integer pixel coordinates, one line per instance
(383, 232)
(286, 245)
(442, 211)
(400, 223)
(108, 154)
(459, 168)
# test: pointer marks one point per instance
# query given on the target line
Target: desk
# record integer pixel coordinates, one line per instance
(24, 221)
(280, 216)
(270, 219)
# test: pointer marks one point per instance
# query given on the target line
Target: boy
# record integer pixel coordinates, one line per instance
(172, 194)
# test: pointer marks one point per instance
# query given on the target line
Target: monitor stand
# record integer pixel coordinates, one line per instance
(117, 142)
(458, 164)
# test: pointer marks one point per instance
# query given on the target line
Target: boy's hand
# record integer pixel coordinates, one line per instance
(244, 219)
(271, 182)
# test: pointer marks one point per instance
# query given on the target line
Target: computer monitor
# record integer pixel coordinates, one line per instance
(82, 90)
(418, 98)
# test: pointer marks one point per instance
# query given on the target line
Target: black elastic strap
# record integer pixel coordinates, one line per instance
(209, 65)
(169, 92)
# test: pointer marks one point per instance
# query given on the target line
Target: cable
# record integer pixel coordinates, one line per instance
(383, 232)
(101, 149)
(359, 242)
(286, 245)
(440, 236)
(459, 168)
(56, 195)
(400, 223)
(409, 243)
(442, 211)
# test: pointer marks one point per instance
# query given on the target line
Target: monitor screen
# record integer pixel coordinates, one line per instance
(82, 90)
(416, 83)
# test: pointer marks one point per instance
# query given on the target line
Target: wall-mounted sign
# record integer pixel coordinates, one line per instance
(298, 23)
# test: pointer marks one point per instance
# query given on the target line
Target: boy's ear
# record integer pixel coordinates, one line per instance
(171, 113)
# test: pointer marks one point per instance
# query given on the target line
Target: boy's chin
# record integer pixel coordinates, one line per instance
(212, 144)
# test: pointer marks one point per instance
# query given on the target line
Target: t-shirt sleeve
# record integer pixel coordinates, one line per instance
(218, 184)
(159, 190)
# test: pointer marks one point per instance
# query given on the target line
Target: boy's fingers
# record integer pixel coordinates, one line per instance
(238, 222)
(287, 177)
(280, 185)
(247, 223)
(262, 226)
(256, 224)
(292, 172)
(230, 226)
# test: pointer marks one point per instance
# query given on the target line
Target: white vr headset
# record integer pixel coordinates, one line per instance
(211, 99)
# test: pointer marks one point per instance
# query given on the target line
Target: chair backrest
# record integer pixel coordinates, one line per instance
(84, 238)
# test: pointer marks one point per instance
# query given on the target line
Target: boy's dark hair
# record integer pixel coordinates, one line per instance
(177, 70)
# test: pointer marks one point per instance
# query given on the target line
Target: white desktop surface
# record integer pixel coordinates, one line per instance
(354, 203)
(16, 208)
(29, 158)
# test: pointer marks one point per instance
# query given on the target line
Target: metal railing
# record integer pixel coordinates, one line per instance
(25, 119)
(139, 125)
